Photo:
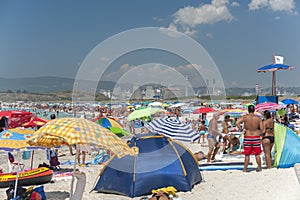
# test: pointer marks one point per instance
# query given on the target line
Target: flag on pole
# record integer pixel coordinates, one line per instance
(278, 59)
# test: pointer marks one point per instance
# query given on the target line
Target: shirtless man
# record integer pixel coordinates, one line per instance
(268, 139)
(253, 126)
(213, 132)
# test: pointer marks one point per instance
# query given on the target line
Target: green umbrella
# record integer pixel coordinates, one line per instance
(119, 131)
(143, 113)
(281, 112)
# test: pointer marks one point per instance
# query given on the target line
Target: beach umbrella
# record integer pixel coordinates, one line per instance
(107, 122)
(16, 118)
(35, 122)
(13, 141)
(289, 101)
(204, 110)
(165, 105)
(119, 131)
(237, 112)
(155, 104)
(275, 66)
(22, 130)
(112, 125)
(72, 131)
(81, 132)
(187, 110)
(173, 128)
(268, 106)
(234, 112)
(143, 113)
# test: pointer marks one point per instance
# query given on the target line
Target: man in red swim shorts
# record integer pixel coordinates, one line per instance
(252, 131)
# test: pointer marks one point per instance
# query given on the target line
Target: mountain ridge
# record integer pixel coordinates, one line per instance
(48, 84)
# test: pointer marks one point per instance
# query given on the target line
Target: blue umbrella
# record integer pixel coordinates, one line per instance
(273, 68)
(289, 101)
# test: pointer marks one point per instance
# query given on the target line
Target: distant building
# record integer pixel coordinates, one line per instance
(149, 92)
(171, 93)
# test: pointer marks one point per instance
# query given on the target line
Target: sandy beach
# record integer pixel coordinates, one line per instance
(234, 184)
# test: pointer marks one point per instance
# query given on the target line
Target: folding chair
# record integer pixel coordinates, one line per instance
(13, 164)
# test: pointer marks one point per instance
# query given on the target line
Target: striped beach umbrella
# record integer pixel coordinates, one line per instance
(268, 106)
(173, 128)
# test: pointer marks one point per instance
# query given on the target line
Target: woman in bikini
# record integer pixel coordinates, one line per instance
(268, 138)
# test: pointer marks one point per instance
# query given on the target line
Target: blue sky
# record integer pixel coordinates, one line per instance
(52, 38)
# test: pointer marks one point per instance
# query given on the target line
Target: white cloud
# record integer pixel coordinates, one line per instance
(205, 14)
(274, 5)
(277, 18)
(187, 18)
(235, 4)
(257, 4)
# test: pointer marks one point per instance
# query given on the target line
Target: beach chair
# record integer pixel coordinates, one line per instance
(13, 165)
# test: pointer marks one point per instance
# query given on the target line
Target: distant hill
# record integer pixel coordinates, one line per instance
(50, 84)
(45, 84)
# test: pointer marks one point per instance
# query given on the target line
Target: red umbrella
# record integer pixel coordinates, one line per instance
(16, 118)
(35, 122)
(204, 110)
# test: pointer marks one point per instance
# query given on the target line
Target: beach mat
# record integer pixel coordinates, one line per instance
(225, 166)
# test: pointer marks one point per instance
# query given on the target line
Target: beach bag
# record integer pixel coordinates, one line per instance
(38, 193)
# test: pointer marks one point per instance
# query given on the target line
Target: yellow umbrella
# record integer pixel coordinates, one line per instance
(71, 131)
(22, 130)
(13, 141)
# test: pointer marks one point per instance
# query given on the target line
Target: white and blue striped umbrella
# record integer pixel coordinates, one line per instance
(174, 129)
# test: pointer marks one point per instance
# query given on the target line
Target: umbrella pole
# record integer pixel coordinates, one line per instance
(31, 164)
(273, 83)
(16, 182)
(74, 169)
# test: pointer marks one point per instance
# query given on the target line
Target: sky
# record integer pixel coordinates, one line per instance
(54, 38)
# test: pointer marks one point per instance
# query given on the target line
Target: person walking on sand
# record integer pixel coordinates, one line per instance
(213, 132)
(253, 126)
(268, 138)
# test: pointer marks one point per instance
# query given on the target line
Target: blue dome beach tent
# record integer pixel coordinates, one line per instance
(160, 162)
(287, 145)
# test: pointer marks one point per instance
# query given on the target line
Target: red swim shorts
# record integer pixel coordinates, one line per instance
(252, 145)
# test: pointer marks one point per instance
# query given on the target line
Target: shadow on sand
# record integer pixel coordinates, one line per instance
(54, 195)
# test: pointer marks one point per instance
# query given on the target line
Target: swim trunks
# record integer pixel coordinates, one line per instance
(212, 141)
(271, 138)
(202, 132)
(252, 145)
